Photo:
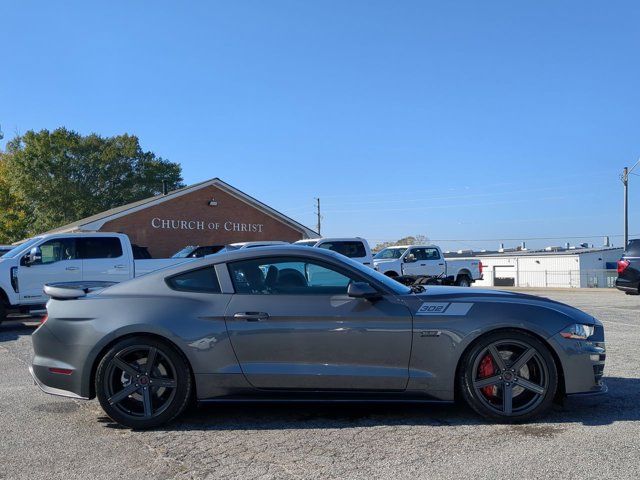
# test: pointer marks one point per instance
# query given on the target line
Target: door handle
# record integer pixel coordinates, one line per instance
(423, 264)
(72, 268)
(120, 267)
(251, 316)
(441, 264)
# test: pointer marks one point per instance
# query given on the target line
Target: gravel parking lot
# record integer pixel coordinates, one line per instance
(49, 437)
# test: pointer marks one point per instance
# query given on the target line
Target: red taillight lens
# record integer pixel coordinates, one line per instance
(622, 266)
(44, 319)
(61, 371)
(480, 267)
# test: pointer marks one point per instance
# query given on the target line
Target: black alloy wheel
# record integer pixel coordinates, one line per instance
(509, 376)
(143, 382)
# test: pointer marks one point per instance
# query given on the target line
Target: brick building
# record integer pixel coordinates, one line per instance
(208, 213)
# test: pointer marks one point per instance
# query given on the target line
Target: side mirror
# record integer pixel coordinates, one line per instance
(410, 258)
(362, 290)
(33, 257)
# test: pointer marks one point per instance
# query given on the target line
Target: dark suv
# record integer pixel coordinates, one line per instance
(629, 269)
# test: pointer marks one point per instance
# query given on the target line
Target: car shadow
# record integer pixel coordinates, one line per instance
(14, 328)
(619, 405)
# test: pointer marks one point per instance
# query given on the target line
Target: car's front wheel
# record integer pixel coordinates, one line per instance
(509, 376)
(143, 382)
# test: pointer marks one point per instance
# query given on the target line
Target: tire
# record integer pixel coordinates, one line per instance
(131, 394)
(3, 312)
(463, 281)
(391, 274)
(502, 389)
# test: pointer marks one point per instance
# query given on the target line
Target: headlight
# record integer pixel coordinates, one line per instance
(578, 331)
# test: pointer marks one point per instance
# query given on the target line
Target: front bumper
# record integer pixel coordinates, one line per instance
(583, 363)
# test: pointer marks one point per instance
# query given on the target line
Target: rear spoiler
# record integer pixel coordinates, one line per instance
(71, 290)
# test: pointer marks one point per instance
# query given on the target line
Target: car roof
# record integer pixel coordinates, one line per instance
(265, 242)
(334, 239)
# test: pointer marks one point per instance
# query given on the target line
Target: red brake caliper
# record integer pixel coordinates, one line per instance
(486, 370)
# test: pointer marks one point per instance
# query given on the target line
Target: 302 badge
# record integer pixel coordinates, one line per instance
(444, 309)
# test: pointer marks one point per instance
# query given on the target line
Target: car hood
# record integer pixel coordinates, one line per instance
(442, 297)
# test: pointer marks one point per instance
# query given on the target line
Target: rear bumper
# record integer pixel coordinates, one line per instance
(53, 390)
(627, 286)
(57, 367)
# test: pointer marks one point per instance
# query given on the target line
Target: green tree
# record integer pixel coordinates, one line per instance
(410, 240)
(61, 176)
(14, 215)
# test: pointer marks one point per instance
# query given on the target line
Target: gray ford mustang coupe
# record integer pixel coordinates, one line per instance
(295, 323)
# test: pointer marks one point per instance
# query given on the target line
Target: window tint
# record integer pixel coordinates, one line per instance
(425, 253)
(57, 250)
(348, 249)
(140, 253)
(288, 276)
(204, 251)
(100, 247)
(203, 280)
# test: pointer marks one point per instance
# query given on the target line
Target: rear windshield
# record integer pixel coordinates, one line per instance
(633, 248)
(351, 249)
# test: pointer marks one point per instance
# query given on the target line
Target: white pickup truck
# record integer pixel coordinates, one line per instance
(426, 261)
(67, 257)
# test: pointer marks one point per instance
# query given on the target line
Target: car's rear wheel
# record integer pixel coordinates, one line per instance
(463, 281)
(143, 382)
(509, 376)
(3, 312)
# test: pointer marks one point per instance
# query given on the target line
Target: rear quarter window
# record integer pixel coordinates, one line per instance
(202, 280)
(351, 249)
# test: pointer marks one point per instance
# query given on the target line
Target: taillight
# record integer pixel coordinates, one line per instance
(480, 267)
(622, 266)
(44, 319)
(61, 371)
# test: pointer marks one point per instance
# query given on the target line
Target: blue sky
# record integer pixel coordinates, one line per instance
(463, 121)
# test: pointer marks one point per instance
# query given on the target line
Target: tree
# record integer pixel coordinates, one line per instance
(14, 216)
(411, 240)
(61, 176)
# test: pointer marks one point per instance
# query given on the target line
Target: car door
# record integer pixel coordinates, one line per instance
(103, 259)
(293, 326)
(425, 261)
(58, 263)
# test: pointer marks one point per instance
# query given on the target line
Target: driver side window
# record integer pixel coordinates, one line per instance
(57, 250)
(288, 276)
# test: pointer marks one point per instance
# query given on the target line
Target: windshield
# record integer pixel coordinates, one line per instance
(22, 248)
(390, 253)
(396, 287)
(185, 252)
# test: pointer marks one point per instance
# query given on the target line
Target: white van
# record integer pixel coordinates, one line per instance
(355, 248)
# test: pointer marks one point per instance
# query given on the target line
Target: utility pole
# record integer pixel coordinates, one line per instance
(625, 182)
(318, 213)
